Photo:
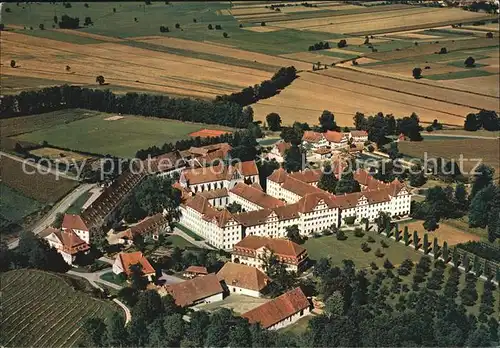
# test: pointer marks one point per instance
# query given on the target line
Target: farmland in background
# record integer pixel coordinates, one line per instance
(43, 310)
(128, 49)
(485, 149)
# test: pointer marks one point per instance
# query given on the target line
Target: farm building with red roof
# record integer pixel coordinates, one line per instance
(281, 311)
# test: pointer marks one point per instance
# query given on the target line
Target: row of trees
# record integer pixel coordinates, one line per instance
(486, 119)
(319, 46)
(223, 112)
(379, 127)
(268, 88)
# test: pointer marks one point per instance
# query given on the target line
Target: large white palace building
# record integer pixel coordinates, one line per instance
(291, 199)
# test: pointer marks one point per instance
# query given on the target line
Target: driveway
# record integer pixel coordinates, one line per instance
(59, 207)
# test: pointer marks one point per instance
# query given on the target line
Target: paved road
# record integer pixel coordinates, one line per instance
(60, 207)
(40, 167)
(199, 244)
(94, 278)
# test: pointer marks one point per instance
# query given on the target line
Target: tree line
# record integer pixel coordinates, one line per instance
(486, 119)
(266, 89)
(223, 112)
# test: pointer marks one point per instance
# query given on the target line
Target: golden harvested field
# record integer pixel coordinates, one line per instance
(311, 57)
(261, 29)
(386, 21)
(334, 90)
(457, 101)
(125, 66)
(225, 51)
(484, 84)
(445, 233)
(486, 149)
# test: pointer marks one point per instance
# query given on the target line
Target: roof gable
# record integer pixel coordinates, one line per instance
(243, 276)
(190, 291)
(73, 221)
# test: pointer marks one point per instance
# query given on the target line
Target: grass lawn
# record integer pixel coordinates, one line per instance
(112, 278)
(76, 207)
(463, 224)
(178, 241)
(188, 232)
(299, 326)
(53, 319)
(123, 137)
(350, 249)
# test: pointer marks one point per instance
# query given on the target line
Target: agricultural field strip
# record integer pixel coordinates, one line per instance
(418, 26)
(127, 72)
(224, 51)
(372, 93)
(314, 14)
(412, 88)
(125, 51)
(362, 18)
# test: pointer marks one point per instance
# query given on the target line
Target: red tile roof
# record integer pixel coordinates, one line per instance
(282, 147)
(298, 187)
(309, 176)
(72, 221)
(334, 137)
(219, 193)
(281, 247)
(134, 258)
(243, 276)
(148, 225)
(70, 241)
(282, 307)
(278, 176)
(247, 168)
(256, 196)
(359, 133)
(312, 137)
(197, 270)
(190, 291)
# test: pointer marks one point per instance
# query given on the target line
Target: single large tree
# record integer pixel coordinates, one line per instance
(347, 184)
(273, 121)
(293, 159)
(483, 177)
(293, 234)
(328, 180)
(327, 121)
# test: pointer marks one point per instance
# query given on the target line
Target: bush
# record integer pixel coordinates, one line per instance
(379, 253)
(470, 62)
(384, 244)
(489, 35)
(350, 220)
(358, 232)
(342, 43)
(225, 35)
(388, 264)
(365, 247)
(417, 73)
(177, 25)
(210, 27)
(218, 27)
(262, 24)
(374, 266)
(371, 239)
(341, 235)
(443, 50)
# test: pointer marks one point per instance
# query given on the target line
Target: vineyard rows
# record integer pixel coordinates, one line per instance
(40, 309)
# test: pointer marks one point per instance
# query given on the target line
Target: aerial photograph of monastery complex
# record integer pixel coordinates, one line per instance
(250, 173)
